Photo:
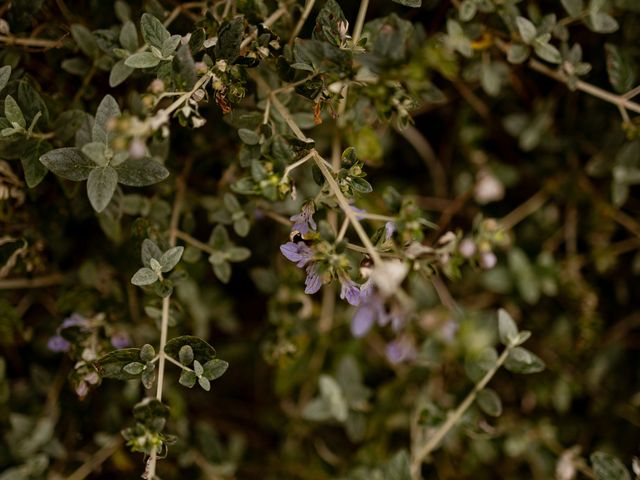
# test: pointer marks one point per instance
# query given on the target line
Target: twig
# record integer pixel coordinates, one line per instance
(273, 18)
(522, 211)
(421, 454)
(423, 147)
(38, 282)
(308, 6)
(96, 459)
(194, 242)
(31, 42)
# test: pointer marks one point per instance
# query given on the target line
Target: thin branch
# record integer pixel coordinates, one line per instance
(194, 242)
(273, 18)
(423, 452)
(424, 149)
(308, 6)
(362, 13)
(37, 282)
(32, 42)
(522, 211)
(96, 459)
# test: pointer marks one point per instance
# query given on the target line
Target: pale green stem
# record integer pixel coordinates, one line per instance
(423, 452)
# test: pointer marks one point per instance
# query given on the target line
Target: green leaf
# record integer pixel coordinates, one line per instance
(573, 7)
(398, 468)
(142, 60)
(129, 36)
(148, 377)
(101, 185)
(170, 258)
(222, 270)
(198, 368)
(317, 410)
(170, 44)
(153, 32)
(147, 352)
(527, 29)
(248, 136)
(620, 69)
(96, 151)
(112, 364)
(31, 102)
(238, 254)
(5, 73)
(242, 226)
(151, 413)
(489, 402)
(119, 73)
(608, 467)
(467, 10)
(188, 379)
(86, 40)
(185, 354)
(215, 368)
(148, 251)
(68, 123)
(141, 172)
(602, 22)
(107, 110)
(521, 360)
(507, 328)
(332, 394)
(490, 79)
(68, 163)
(202, 351)
(477, 365)
(410, 3)
(34, 170)
(144, 276)
(134, 368)
(230, 36)
(517, 53)
(328, 23)
(547, 52)
(219, 239)
(204, 383)
(13, 113)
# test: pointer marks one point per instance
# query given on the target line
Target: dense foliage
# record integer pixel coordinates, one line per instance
(275, 239)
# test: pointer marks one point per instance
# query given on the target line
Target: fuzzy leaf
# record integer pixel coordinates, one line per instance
(112, 364)
(68, 163)
(188, 379)
(215, 368)
(144, 276)
(86, 40)
(141, 172)
(101, 185)
(119, 73)
(153, 32)
(142, 60)
(129, 36)
(107, 110)
(410, 3)
(202, 351)
(13, 113)
(34, 170)
(527, 29)
(608, 467)
(507, 328)
(5, 73)
(170, 258)
(521, 360)
(489, 402)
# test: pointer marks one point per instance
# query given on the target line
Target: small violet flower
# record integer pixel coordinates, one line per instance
(75, 320)
(350, 291)
(389, 230)
(313, 282)
(400, 350)
(299, 253)
(303, 221)
(58, 344)
(120, 340)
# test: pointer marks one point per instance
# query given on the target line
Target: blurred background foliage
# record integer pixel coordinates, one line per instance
(557, 168)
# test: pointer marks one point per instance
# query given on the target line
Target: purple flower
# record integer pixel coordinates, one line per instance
(358, 211)
(488, 260)
(75, 320)
(58, 344)
(299, 253)
(400, 350)
(363, 320)
(350, 291)
(389, 229)
(467, 248)
(120, 340)
(313, 282)
(303, 221)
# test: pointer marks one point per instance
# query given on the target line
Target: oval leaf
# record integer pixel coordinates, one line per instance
(68, 163)
(101, 185)
(141, 173)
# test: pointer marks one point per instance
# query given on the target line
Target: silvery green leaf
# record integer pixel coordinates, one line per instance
(204, 383)
(198, 368)
(129, 36)
(123, 10)
(602, 22)
(148, 251)
(13, 113)
(489, 402)
(119, 73)
(573, 7)
(332, 394)
(185, 354)
(521, 360)
(134, 368)
(107, 110)
(147, 352)
(507, 328)
(526, 29)
(5, 73)
(620, 68)
(317, 410)
(144, 276)
(248, 136)
(148, 377)
(101, 185)
(490, 79)
(467, 10)
(169, 45)
(608, 467)
(547, 52)
(170, 258)
(242, 226)
(75, 66)
(68, 163)
(34, 170)
(86, 40)
(188, 379)
(153, 32)
(141, 172)
(517, 53)
(238, 254)
(96, 152)
(215, 368)
(222, 271)
(142, 60)
(478, 365)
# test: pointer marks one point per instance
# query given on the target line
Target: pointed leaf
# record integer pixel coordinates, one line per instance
(489, 402)
(144, 276)
(34, 170)
(148, 251)
(119, 73)
(107, 110)
(129, 36)
(68, 163)
(170, 44)
(134, 368)
(204, 383)
(573, 7)
(507, 328)
(170, 258)
(215, 368)
(202, 351)
(153, 32)
(13, 113)
(141, 172)
(5, 73)
(526, 29)
(101, 185)
(86, 40)
(142, 60)
(188, 379)
(608, 467)
(521, 360)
